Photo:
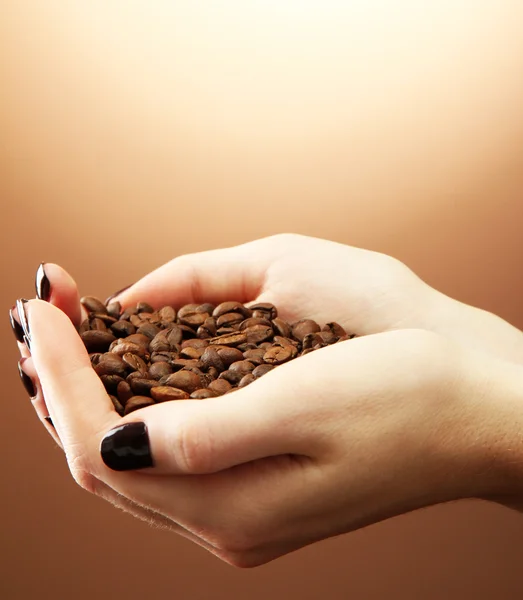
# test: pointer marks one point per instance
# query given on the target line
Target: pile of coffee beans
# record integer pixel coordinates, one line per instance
(144, 356)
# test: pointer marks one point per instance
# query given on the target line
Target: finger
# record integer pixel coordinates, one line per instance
(264, 419)
(235, 273)
(77, 401)
(34, 389)
(55, 285)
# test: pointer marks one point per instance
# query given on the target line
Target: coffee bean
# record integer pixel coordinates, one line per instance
(97, 341)
(167, 314)
(231, 339)
(205, 308)
(111, 364)
(124, 392)
(138, 338)
(245, 380)
(257, 334)
(143, 307)
(160, 369)
(219, 386)
(228, 307)
(128, 312)
(281, 327)
(165, 393)
(203, 393)
(122, 329)
(148, 329)
(134, 362)
(111, 382)
(114, 309)
(129, 347)
(190, 352)
(301, 328)
(142, 387)
(117, 405)
(184, 380)
(93, 305)
(229, 319)
(211, 358)
(137, 402)
(95, 358)
(261, 370)
(265, 309)
(97, 325)
(277, 355)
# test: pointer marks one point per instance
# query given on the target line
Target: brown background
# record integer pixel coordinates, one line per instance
(134, 131)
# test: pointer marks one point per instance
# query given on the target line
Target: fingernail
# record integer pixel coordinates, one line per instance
(17, 328)
(127, 448)
(118, 293)
(26, 381)
(42, 284)
(20, 308)
(50, 421)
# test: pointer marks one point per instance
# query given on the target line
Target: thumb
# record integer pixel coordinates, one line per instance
(206, 436)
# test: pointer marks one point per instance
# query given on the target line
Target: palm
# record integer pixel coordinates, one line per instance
(364, 291)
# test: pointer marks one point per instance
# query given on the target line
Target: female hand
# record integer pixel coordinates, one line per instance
(341, 438)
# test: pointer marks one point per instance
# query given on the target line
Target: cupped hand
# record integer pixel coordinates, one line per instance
(338, 439)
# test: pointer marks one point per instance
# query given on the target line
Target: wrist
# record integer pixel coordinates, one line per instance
(493, 430)
(475, 327)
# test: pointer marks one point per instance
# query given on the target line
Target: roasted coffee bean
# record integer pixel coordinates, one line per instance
(245, 380)
(160, 369)
(137, 402)
(334, 328)
(254, 321)
(190, 352)
(95, 358)
(187, 309)
(149, 330)
(137, 375)
(188, 332)
(219, 386)
(134, 362)
(167, 314)
(84, 326)
(230, 355)
(261, 370)
(242, 366)
(183, 380)
(229, 319)
(205, 308)
(160, 343)
(301, 328)
(255, 356)
(265, 308)
(226, 330)
(231, 339)
(107, 319)
(129, 347)
(124, 392)
(211, 358)
(277, 355)
(142, 387)
(281, 327)
(203, 393)
(194, 343)
(93, 305)
(256, 334)
(184, 363)
(167, 357)
(312, 340)
(165, 393)
(111, 364)
(228, 307)
(97, 325)
(193, 319)
(97, 341)
(122, 329)
(111, 382)
(117, 405)
(208, 328)
(126, 315)
(233, 377)
(144, 307)
(138, 338)
(114, 309)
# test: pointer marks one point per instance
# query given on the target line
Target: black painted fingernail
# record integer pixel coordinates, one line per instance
(27, 381)
(20, 307)
(117, 293)
(50, 421)
(17, 328)
(127, 448)
(27, 342)
(42, 284)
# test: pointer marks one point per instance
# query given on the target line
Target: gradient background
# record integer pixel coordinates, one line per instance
(134, 131)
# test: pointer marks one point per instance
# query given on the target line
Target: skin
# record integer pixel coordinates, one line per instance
(423, 408)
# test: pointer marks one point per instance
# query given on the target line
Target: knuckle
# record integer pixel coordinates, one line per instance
(194, 446)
